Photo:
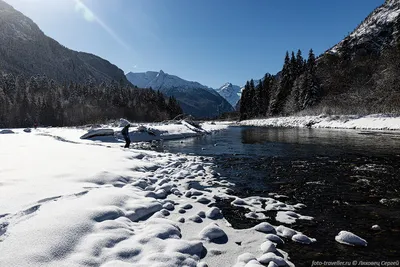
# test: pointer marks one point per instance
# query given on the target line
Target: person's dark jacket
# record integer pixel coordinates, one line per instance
(125, 131)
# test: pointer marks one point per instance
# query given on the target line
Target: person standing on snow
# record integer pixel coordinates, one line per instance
(125, 134)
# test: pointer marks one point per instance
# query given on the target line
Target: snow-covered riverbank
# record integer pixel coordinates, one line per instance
(370, 122)
(67, 201)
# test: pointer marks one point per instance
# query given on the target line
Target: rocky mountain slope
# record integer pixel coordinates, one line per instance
(375, 31)
(25, 49)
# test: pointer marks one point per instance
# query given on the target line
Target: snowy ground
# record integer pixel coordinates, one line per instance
(66, 201)
(370, 122)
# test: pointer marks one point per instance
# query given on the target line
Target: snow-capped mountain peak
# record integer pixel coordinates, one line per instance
(228, 84)
(230, 92)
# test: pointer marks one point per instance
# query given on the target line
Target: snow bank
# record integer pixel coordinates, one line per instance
(370, 122)
(67, 201)
(152, 132)
(110, 134)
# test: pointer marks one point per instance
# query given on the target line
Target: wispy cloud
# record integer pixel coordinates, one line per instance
(89, 16)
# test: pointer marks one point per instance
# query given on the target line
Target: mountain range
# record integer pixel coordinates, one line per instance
(195, 99)
(360, 71)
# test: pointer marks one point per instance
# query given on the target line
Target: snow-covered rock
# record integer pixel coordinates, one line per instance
(290, 217)
(254, 263)
(245, 258)
(376, 227)
(268, 257)
(265, 227)
(214, 213)
(285, 231)
(255, 215)
(275, 239)
(211, 232)
(348, 238)
(6, 131)
(303, 239)
(267, 246)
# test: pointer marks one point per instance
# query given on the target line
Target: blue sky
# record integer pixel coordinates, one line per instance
(209, 41)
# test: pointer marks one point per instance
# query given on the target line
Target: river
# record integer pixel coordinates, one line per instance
(348, 179)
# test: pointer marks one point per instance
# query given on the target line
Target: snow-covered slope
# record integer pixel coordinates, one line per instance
(161, 80)
(196, 99)
(230, 92)
(376, 30)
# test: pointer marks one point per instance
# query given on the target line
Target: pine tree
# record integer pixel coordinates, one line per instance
(9, 85)
(311, 62)
(310, 87)
(251, 98)
(266, 93)
(293, 66)
(3, 108)
(345, 52)
(244, 103)
(286, 64)
(299, 62)
(284, 89)
(174, 107)
(258, 99)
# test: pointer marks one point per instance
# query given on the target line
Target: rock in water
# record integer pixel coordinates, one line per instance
(376, 227)
(348, 238)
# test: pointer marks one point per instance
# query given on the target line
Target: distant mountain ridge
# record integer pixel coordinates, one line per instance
(196, 99)
(25, 49)
(161, 80)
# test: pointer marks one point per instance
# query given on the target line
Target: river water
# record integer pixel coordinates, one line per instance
(348, 179)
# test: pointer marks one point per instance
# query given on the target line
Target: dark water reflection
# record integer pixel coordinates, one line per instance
(251, 141)
(349, 180)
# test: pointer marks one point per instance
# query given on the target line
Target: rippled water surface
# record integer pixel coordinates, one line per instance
(349, 180)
